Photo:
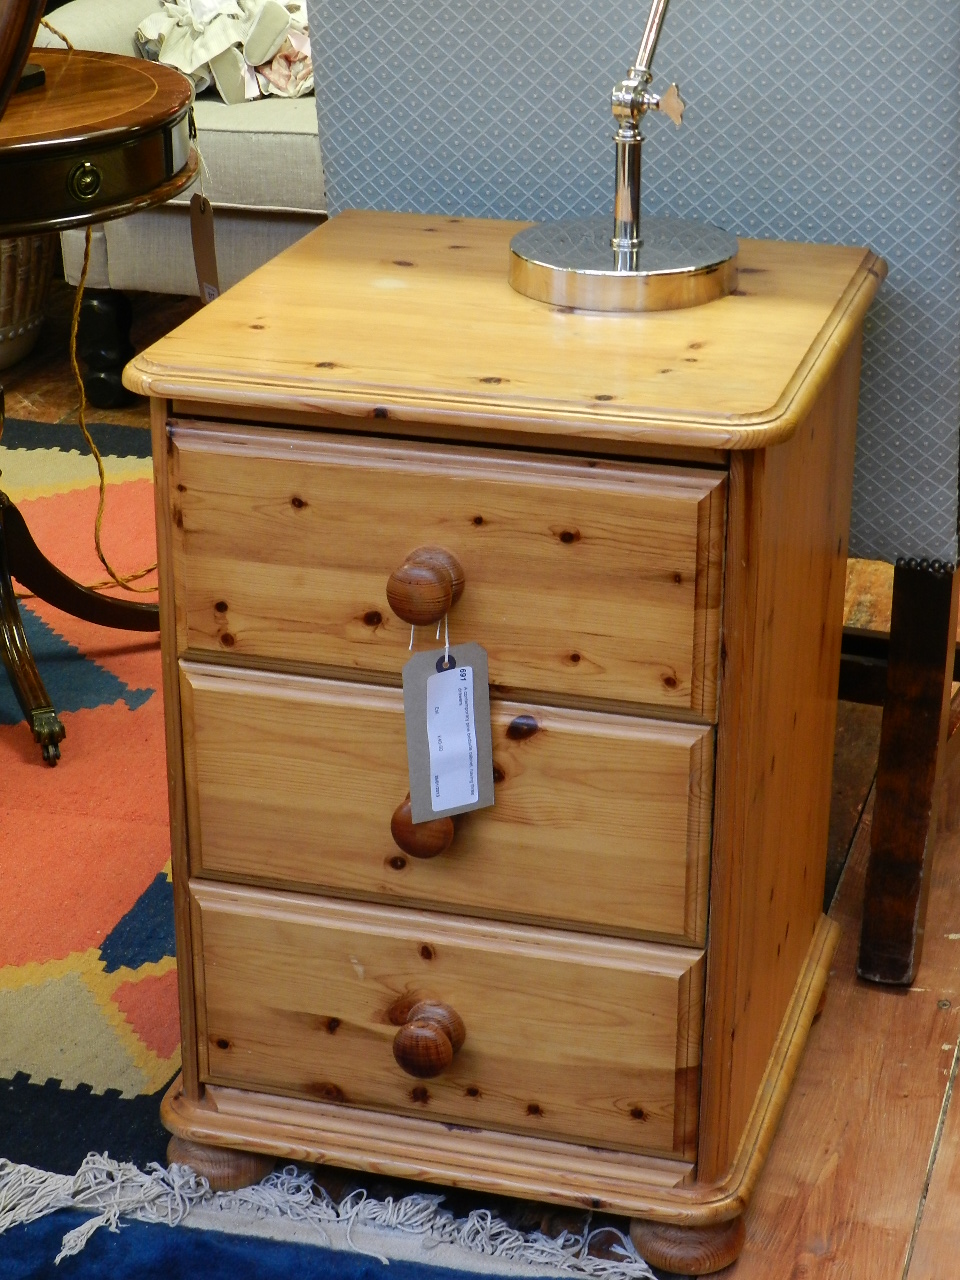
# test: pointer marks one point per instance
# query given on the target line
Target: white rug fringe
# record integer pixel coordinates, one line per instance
(111, 1191)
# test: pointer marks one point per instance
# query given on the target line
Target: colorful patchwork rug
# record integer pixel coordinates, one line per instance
(88, 1002)
(89, 1028)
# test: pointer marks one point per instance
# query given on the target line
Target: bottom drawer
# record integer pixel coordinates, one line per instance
(586, 1039)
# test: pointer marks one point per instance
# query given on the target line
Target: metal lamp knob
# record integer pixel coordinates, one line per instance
(431, 1036)
(426, 586)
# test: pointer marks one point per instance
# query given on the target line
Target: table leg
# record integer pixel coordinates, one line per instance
(34, 571)
(913, 735)
(22, 558)
(46, 725)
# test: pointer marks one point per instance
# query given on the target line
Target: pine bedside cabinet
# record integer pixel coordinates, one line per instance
(618, 963)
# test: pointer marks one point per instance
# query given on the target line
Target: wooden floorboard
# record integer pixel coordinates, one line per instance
(857, 743)
(936, 1250)
(842, 1189)
(41, 388)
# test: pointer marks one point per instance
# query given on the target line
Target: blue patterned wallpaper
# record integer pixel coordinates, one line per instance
(807, 119)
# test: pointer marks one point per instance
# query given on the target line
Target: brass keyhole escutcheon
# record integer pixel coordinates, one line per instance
(84, 181)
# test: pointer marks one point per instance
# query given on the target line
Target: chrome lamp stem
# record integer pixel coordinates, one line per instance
(630, 102)
(626, 202)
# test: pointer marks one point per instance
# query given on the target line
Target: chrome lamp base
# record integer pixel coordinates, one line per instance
(573, 264)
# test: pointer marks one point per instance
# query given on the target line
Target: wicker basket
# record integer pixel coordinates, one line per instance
(26, 267)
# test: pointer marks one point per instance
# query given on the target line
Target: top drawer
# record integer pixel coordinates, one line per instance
(583, 578)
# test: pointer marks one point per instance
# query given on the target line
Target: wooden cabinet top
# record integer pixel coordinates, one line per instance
(410, 318)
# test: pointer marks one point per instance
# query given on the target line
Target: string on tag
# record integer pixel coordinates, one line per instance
(192, 132)
(446, 638)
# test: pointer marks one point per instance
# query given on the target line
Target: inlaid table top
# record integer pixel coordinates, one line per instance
(410, 318)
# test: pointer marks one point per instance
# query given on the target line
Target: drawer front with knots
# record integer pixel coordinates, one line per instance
(599, 820)
(581, 578)
(532, 1030)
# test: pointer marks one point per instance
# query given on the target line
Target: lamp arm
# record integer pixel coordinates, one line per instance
(648, 43)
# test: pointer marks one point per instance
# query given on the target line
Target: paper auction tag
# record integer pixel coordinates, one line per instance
(204, 247)
(449, 743)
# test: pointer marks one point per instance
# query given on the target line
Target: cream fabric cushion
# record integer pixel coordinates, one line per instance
(260, 155)
(152, 250)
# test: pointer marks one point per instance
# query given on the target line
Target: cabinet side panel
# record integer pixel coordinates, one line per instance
(171, 710)
(789, 515)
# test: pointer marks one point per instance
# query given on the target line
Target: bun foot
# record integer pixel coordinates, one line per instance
(224, 1168)
(690, 1251)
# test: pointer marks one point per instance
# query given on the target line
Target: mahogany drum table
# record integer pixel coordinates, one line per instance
(622, 958)
(102, 136)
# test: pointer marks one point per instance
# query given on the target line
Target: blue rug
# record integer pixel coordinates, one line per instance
(142, 1251)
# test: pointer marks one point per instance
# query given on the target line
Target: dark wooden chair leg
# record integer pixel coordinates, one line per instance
(103, 344)
(34, 571)
(15, 652)
(913, 735)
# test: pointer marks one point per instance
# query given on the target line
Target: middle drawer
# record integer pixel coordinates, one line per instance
(601, 821)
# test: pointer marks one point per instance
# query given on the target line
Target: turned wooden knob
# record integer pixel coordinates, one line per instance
(426, 586)
(421, 839)
(425, 1044)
